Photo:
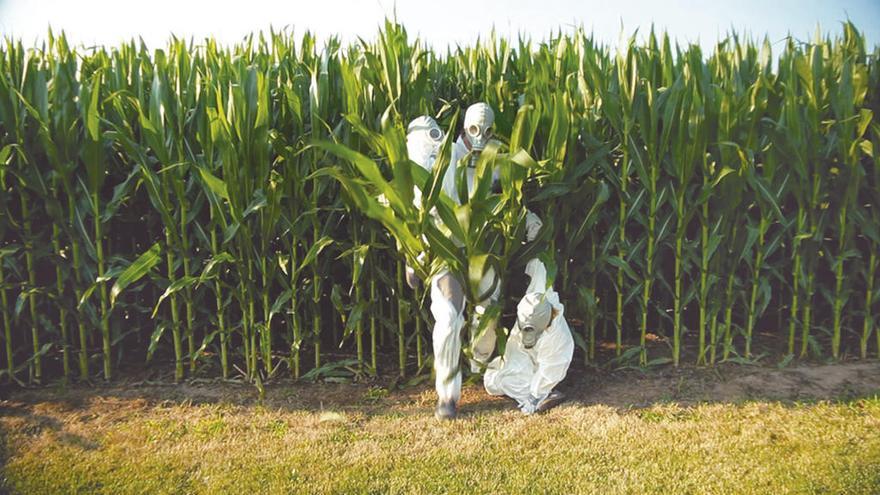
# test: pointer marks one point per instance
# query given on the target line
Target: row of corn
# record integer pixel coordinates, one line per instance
(186, 202)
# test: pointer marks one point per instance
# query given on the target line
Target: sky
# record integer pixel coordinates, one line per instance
(440, 23)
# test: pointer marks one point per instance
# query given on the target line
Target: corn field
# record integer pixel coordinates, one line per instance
(209, 208)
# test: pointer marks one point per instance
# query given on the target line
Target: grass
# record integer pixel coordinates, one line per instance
(104, 442)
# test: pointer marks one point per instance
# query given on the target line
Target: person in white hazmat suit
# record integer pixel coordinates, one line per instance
(539, 348)
(424, 138)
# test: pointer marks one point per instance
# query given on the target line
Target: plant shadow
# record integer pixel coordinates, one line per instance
(623, 390)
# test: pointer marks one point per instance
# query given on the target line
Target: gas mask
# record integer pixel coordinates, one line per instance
(534, 314)
(478, 120)
(423, 140)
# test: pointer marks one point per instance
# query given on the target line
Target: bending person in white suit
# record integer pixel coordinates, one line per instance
(539, 348)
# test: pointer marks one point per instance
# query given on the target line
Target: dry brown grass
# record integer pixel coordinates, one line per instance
(134, 441)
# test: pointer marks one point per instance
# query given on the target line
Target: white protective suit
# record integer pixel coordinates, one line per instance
(447, 293)
(424, 138)
(529, 375)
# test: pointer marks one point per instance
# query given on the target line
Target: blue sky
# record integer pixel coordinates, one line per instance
(441, 23)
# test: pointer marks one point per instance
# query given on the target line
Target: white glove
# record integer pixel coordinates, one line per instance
(412, 280)
(533, 226)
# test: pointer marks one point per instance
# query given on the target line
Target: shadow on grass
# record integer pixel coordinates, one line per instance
(32, 424)
(622, 390)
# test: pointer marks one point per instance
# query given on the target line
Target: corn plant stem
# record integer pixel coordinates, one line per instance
(294, 316)
(806, 321)
(175, 318)
(619, 319)
(374, 306)
(868, 322)
(728, 305)
(590, 355)
(359, 328)
(316, 317)
(646, 295)
(679, 241)
(838, 286)
(266, 335)
(382, 309)
(621, 249)
(728, 319)
(358, 297)
(187, 294)
(704, 278)
(316, 287)
(420, 358)
(7, 325)
(807, 318)
(36, 366)
(713, 337)
(245, 322)
(221, 324)
(62, 312)
(74, 245)
(254, 371)
(401, 341)
(649, 266)
(756, 273)
(795, 281)
(105, 311)
(252, 327)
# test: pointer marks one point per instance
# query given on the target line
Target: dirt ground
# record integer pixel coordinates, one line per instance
(621, 389)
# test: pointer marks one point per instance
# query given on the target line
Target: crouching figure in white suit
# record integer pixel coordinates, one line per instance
(539, 348)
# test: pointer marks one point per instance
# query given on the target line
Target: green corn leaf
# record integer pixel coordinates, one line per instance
(154, 339)
(140, 267)
(176, 286)
(313, 252)
(355, 315)
(208, 272)
(491, 313)
(279, 304)
(616, 262)
(217, 186)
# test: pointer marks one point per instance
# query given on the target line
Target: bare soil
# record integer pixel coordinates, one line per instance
(621, 389)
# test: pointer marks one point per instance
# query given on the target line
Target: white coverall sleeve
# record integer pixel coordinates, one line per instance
(459, 150)
(533, 225)
(537, 273)
(421, 155)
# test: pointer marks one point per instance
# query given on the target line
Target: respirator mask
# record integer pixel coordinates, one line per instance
(423, 139)
(478, 120)
(533, 315)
